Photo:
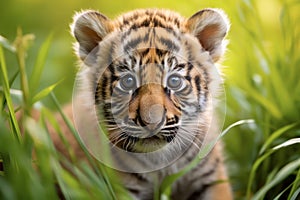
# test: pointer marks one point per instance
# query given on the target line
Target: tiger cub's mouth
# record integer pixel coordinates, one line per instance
(134, 143)
(135, 136)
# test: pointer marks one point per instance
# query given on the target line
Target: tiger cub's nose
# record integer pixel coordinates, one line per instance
(153, 116)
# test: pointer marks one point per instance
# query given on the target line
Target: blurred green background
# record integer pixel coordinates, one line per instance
(261, 67)
(44, 17)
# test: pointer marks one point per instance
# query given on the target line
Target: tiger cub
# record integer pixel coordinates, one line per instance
(150, 76)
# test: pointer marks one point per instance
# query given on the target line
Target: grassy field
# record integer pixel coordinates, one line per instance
(37, 69)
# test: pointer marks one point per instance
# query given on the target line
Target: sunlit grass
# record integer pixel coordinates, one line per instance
(31, 163)
(263, 84)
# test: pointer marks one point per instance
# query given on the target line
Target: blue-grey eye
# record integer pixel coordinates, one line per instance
(128, 82)
(175, 82)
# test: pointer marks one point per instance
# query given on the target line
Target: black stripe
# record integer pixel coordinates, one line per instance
(201, 190)
(198, 85)
(97, 96)
(146, 37)
(171, 60)
(145, 23)
(169, 43)
(190, 67)
(139, 177)
(167, 91)
(104, 84)
(132, 44)
(162, 15)
(188, 78)
(136, 192)
(122, 67)
(198, 194)
(144, 52)
(100, 92)
(211, 171)
(158, 23)
(177, 22)
(176, 118)
(126, 34)
(113, 78)
(180, 66)
(160, 52)
(111, 68)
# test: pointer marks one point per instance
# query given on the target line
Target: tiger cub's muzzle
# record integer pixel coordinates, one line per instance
(150, 107)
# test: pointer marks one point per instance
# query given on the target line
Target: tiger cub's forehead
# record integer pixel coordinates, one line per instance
(150, 18)
(152, 45)
(162, 31)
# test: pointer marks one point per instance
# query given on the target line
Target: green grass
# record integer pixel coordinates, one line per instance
(25, 176)
(262, 83)
(264, 86)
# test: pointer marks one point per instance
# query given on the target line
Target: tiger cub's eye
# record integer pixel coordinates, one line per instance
(128, 82)
(175, 82)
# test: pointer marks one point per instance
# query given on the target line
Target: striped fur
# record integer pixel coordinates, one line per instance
(151, 76)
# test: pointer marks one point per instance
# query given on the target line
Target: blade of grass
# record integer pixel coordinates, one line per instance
(6, 90)
(70, 187)
(12, 80)
(6, 44)
(264, 157)
(287, 143)
(282, 174)
(94, 182)
(45, 92)
(277, 134)
(85, 150)
(39, 65)
(296, 185)
(279, 196)
(52, 121)
(295, 195)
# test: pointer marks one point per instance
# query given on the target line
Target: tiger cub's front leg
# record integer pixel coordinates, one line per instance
(208, 180)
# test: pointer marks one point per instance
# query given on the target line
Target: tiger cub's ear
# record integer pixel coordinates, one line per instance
(89, 28)
(210, 26)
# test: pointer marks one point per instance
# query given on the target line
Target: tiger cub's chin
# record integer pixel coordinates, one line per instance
(150, 77)
(149, 145)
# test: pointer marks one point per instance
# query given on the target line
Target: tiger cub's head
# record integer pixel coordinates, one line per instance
(151, 74)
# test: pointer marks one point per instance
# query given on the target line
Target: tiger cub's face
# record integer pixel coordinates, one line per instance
(152, 74)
